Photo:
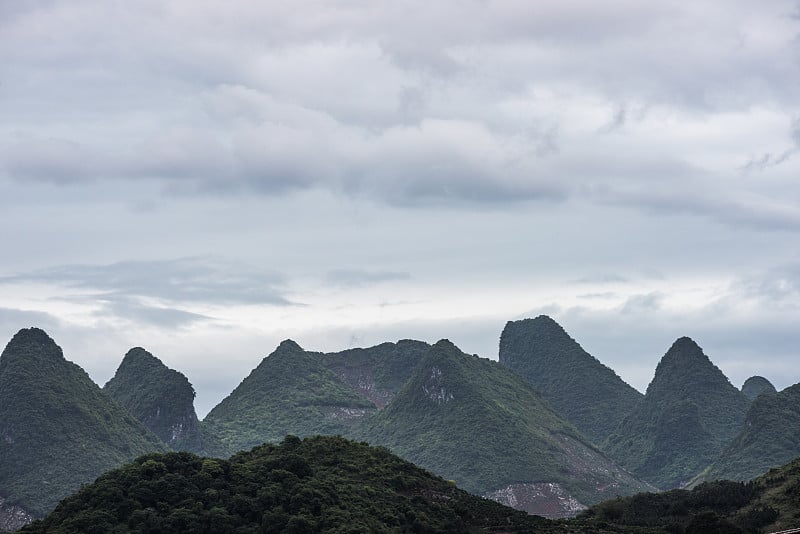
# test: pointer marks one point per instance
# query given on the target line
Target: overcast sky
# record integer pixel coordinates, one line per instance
(205, 179)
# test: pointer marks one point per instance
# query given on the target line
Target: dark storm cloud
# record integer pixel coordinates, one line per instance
(203, 280)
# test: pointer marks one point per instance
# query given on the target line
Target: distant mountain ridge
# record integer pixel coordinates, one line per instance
(689, 414)
(470, 419)
(769, 437)
(377, 372)
(160, 397)
(58, 429)
(290, 392)
(580, 388)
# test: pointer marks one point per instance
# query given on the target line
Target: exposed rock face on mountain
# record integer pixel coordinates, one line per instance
(690, 412)
(58, 429)
(290, 392)
(320, 484)
(161, 398)
(757, 385)
(472, 420)
(580, 388)
(770, 438)
(377, 372)
(13, 517)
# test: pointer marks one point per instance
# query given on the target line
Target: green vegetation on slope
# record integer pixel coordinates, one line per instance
(472, 420)
(290, 392)
(768, 504)
(161, 398)
(58, 429)
(578, 387)
(690, 412)
(320, 484)
(757, 385)
(770, 437)
(377, 372)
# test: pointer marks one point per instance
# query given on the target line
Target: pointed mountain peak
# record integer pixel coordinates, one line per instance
(684, 354)
(288, 345)
(32, 344)
(138, 356)
(577, 385)
(757, 385)
(543, 338)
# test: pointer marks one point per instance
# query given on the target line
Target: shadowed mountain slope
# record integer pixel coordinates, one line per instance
(472, 420)
(689, 414)
(290, 392)
(770, 438)
(580, 388)
(161, 398)
(58, 429)
(377, 372)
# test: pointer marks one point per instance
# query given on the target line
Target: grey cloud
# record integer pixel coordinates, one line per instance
(133, 310)
(356, 278)
(184, 280)
(395, 102)
(12, 319)
(780, 285)
(639, 303)
(609, 278)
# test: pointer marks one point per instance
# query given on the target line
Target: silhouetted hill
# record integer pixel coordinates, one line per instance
(756, 385)
(770, 437)
(580, 388)
(161, 398)
(320, 484)
(58, 429)
(690, 412)
(472, 420)
(290, 392)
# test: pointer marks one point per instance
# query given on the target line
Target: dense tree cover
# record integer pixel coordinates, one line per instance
(472, 420)
(767, 504)
(580, 388)
(290, 392)
(58, 429)
(689, 414)
(377, 372)
(757, 385)
(320, 484)
(161, 398)
(770, 437)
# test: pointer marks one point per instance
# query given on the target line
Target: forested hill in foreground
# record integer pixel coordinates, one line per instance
(58, 429)
(330, 484)
(770, 503)
(321, 484)
(580, 388)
